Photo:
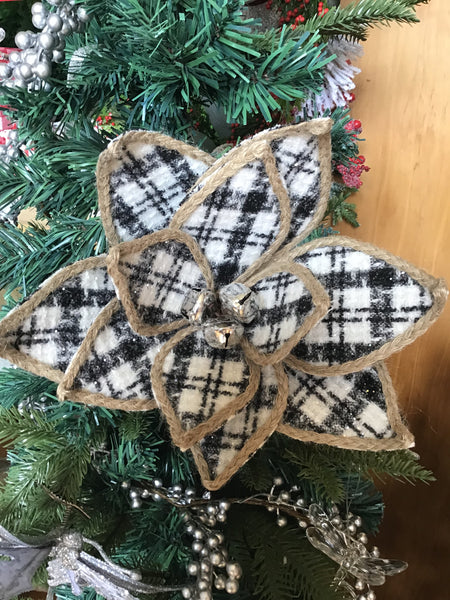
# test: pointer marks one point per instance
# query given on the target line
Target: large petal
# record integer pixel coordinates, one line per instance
(379, 304)
(220, 455)
(266, 191)
(199, 387)
(154, 275)
(143, 178)
(112, 366)
(43, 334)
(357, 410)
(291, 301)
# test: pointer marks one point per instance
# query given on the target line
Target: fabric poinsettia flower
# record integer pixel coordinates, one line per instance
(212, 306)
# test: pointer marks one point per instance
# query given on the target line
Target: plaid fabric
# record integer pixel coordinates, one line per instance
(284, 302)
(149, 187)
(223, 446)
(159, 278)
(56, 328)
(200, 380)
(346, 405)
(120, 360)
(237, 222)
(371, 303)
(297, 159)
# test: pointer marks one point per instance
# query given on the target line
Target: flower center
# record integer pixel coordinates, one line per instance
(222, 314)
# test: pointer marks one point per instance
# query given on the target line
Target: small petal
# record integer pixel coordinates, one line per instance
(112, 366)
(291, 301)
(154, 275)
(379, 304)
(199, 387)
(357, 411)
(43, 334)
(143, 178)
(220, 455)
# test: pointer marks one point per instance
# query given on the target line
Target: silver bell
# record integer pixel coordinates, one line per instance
(199, 305)
(239, 301)
(223, 334)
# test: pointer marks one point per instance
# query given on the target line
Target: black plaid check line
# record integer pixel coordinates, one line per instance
(208, 383)
(162, 282)
(290, 164)
(381, 280)
(131, 352)
(342, 414)
(243, 235)
(224, 439)
(71, 300)
(273, 319)
(127, 212)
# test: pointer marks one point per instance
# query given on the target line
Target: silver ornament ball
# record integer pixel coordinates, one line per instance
(38, 20)
(23, 40)
(58, 56)
(234, 570)
(54, 23)
(5, 71)
(37, 8)
(46, 40)
(15, 58)
(231, 586)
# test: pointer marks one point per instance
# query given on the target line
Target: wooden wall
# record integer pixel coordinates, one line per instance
(402, 100)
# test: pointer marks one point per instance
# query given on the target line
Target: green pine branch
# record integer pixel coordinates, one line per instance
(357, 18)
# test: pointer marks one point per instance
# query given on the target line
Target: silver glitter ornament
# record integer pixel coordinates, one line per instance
(239, 301)
(223, 334)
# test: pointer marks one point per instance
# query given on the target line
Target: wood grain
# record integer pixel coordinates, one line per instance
(402, 101)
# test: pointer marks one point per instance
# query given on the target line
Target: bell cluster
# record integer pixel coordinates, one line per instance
(211, 566)
(33, 65)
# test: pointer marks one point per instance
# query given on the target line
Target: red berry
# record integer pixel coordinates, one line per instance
(357, 124)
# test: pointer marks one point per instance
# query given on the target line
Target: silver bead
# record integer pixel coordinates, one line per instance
(203, 584)
(216, 558)
(82, 14)
(5, 71)
(145, 493)
(205, 595)
(186, 592)
(189, 492)
(205, 566)
(38, 20)
(362, 537)
(371, 595)
(37, 8)
(351, 528)
(134, 494)
(223, 334)
(54, 23)
(157, 483)
(192, 568)
(46, 40)
(239, 301)
(221, 517)
(15, 58)
(224, 505)
(198, 534)
(219, 582)
(336, 521)
(359, 585)
(358, 521)
(30, 57)
(277, 481)
(24, 40)
(231, 586)
(234, 570)
(284, 497)
(300, 502)
(303, 524)
(281, 521)
(197, 546)
(375, 552)
(125, 485)
(136, 503)
(58, 56)
(212, 541)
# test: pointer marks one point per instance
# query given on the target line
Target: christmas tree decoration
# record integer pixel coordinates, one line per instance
(227, 319)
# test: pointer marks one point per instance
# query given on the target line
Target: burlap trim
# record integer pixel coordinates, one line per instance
(112, 158)
(187, 438)
(402, 439)
(13, 320)
(319, 297)
(121, 251)
(258, 148)
(436, 287)
(252, 445)
(66, 390)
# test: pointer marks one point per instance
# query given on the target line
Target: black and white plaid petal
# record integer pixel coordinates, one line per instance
(352, 405)
(297, 158)
(284, 303)
(159, 279)
(118, 362)
(372, 302)
(237, 222)
(53, 332)
(227, 449)
(199, 381)
(148, 187)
